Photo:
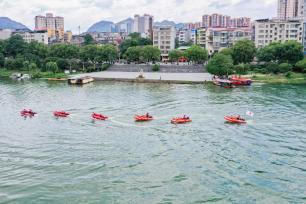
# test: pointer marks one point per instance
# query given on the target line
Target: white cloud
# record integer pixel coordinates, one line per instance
(87, 12)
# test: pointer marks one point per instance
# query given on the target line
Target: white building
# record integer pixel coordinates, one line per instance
(184, 36)
(54, 25)
(164, 39)
(216, 39)
(143, 25)
(41, 37)
(268, 31)
(5, 34)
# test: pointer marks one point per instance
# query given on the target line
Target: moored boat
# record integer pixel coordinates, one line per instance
(240, 81)
(81, 80)
(225, 83)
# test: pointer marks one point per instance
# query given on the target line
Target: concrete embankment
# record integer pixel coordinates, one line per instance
(151, 77)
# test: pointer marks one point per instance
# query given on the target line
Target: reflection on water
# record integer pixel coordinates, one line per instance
(76, 160)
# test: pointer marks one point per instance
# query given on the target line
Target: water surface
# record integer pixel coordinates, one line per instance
(76, 160)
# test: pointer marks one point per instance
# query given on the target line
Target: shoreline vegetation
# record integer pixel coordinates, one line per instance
(276, 63)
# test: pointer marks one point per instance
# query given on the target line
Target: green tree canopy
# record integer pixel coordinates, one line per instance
(2, 60)
(244, 51)
(220, 65)
(107, 53)
(133, 54)
(196, 54)
(150, 53)
(227, 51)
(175, 55)
(15, 45)
(289, 52)
(52, 67)
(88, 40)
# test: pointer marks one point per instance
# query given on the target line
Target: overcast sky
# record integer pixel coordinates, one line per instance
(87, 12)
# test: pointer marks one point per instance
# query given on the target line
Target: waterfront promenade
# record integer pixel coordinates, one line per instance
(150, 77)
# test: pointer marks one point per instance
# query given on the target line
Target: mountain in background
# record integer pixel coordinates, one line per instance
(165, 23)
(102, 26)
(170, 23)
(7, 23)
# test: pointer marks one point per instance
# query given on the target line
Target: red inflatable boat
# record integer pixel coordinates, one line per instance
(61, 114)
(182, 120)
(26, 113)
(235, 119)
(97, 116)
(143, 118)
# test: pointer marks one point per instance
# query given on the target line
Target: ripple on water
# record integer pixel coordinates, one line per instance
(77, 160)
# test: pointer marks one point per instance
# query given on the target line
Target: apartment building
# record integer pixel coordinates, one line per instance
(53, 25)
(223, 21)
(268, 31)
(220, 38)
(184, 36)
(143, 25)
(164, 39)
(38, 36)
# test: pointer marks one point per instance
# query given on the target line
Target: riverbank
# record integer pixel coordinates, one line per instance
(293, 78)
(150, 77)
(4, 73)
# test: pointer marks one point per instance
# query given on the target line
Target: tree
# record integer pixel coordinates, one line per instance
(197, 54)
(289, 52)
(175, 55)
(32, 67)
(189, 43)
(39, 49)
(227, 51)
(62, 63)
(134, 40)
(285, 67)
(244, 51)
(150, 53)
(88, 40)
(133, 54)
(220, 65)
(240, 69)
(89, 53)
(52, 67)
(15, 45)
(110, 53)
(301, 65)
(2, 60)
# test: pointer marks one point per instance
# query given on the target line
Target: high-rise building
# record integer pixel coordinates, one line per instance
(268, 31)
(53, 25)
(206, 21)
(222, 21)
(164, 39)
(143, 25)
(289, 9)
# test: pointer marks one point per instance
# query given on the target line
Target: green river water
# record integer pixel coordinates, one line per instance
(76, 160)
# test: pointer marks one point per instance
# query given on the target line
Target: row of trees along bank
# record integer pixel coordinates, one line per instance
(274, 58)
(16, 54)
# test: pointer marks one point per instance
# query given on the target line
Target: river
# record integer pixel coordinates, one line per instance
(76, 160)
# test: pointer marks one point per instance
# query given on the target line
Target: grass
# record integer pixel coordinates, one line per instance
(4, 73)
(294, 78)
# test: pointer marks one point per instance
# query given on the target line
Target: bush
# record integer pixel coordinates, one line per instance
(288, 74)
(32, 66)
(105, 66)
(272, 67)
(240, 69)
(62, 64)
(155, 67)
(2, 60)
(264, 71)
(300, 66)
(285, 68)
(13, 64)
(52, 67)
(257, 70)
